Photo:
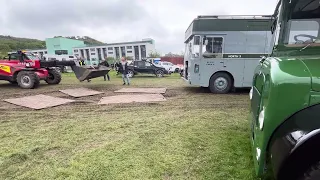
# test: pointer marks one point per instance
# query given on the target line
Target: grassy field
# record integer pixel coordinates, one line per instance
(193, 135)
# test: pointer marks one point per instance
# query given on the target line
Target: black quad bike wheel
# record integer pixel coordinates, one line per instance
(220, 83)
(159, 73)
(28, 79)
(54, 77)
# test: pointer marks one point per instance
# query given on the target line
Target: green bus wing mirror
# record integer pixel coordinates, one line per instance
(263, 58)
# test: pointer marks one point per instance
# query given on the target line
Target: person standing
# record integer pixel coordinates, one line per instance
(123, 69)
(83, 63)
(118, 66)
(105, 63)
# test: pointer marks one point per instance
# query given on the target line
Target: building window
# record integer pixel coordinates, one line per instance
(82, 53)
(129, 47)
(143, 51)
(87, 54)
(99, 54)
(136, 53)
(92, 49)
(123, 51)
(93, 54)
(76, 50)
(117, 52)
(110, 52)
(104, 51)
(129, 51)
(110, 48)
(60, 52)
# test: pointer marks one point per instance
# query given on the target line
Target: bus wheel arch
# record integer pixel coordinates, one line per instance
(302, 162)
(221, 82)
(298, 156)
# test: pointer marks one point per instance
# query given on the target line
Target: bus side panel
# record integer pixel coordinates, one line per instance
(257, 43)
(249, 66)
(235, 67)
(208, 67)
(233, 44)
(233, 58)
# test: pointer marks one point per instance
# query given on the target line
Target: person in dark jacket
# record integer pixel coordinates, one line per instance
(117, 66)
(105, 63)
(123, 69)
(83, 63)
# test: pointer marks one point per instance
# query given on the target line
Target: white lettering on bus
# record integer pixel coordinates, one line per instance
(234, 56)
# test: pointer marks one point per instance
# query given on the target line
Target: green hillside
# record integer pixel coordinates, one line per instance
(87, 40)
(9, 43)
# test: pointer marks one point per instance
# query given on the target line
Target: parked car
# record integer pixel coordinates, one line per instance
(145, 67)
(169, 66)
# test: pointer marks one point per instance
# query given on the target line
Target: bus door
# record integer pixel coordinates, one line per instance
(256, 44)
(194, 63)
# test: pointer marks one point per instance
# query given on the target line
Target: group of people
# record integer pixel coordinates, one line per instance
(122, 68)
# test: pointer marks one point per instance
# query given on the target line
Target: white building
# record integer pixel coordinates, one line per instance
(137, 50)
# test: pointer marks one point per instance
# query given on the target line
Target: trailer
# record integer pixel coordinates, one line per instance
(221, 52)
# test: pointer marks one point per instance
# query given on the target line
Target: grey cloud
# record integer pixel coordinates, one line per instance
(79, 12)
(116, 20)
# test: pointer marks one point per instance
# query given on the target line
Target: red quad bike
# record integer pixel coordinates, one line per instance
(26, 70)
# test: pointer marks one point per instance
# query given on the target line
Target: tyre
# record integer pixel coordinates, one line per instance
(181, 73)
(220, 83)
(130, 73)
(176, 70)
(54, 77)
(159, 73)
(313, 173)
(28, 79)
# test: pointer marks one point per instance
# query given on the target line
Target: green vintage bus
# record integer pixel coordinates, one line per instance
(285, 96)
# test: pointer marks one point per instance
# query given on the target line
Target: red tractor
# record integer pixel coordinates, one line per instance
(27, 70)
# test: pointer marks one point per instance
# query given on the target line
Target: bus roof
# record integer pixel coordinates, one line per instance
(229, 23)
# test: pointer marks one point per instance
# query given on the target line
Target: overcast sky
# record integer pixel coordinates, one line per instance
(118, 20)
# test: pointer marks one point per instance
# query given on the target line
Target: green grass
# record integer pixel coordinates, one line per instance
(193, 135)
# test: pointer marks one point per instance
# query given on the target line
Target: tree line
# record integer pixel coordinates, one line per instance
(9, 43)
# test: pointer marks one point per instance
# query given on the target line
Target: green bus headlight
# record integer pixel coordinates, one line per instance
(250, 93)
(261, 119)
